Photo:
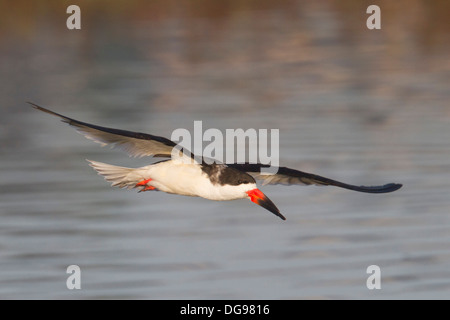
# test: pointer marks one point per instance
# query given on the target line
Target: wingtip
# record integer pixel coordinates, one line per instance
(387, 188)
(63, 118)
(33, 105)
(395, 186)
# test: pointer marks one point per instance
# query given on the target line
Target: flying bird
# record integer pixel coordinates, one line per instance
(213, 181)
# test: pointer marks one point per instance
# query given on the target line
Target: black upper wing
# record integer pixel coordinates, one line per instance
(289, 176)
(136, 144)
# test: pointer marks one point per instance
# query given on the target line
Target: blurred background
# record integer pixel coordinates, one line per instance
(362, 106)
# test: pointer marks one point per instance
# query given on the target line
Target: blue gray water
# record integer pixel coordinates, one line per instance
(364, 107)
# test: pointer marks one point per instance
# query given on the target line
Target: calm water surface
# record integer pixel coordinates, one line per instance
(353, 105)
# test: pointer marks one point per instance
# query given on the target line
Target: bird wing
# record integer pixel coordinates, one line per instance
(289, 176)
(136, 144)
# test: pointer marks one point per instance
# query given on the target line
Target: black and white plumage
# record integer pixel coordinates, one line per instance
(193, 178)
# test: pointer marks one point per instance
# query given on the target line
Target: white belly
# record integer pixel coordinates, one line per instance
(190, 180)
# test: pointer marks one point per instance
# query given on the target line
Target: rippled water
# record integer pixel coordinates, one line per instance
(351, 104)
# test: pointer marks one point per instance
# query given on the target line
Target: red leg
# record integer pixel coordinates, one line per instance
(143, 182)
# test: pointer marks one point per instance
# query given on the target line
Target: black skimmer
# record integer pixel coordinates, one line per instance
(211, 181)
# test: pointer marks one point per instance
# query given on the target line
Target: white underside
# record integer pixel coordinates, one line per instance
(172, 177)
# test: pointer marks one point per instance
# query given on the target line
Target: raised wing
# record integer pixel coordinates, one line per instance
(289, 176)
(136, 144)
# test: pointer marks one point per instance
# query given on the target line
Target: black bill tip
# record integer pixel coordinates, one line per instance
(262, 200)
